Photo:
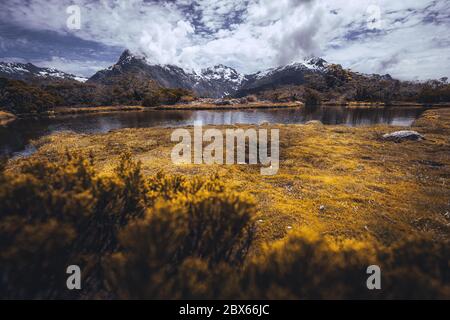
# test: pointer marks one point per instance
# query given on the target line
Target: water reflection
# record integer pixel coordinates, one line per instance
(17, 135)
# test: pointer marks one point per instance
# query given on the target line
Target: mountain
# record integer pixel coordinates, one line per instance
(291, 74)
(134, 78)
(215, 81)
(220, 81)
(128, 64)
(28, 71)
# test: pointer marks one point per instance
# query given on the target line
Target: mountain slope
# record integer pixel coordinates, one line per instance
(133, 78)
(217, 81)
(298, 73)
(28, 71)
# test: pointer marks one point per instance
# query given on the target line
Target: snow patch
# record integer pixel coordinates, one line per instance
(13, 68)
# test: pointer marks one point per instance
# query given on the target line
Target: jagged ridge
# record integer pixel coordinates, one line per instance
(28, 71)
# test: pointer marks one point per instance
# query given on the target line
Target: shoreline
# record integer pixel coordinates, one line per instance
(65, 111)
(363, 104)
(250, 105)
(6, 117)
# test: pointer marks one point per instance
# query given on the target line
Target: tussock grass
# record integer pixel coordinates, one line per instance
(343, 199)
(248, 105)
(370, 188)
(94, 109)
(6, 117)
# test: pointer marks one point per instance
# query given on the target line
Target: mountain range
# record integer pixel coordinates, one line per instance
(133, 79)
(217, 81)
(214, 82)
(30, 72)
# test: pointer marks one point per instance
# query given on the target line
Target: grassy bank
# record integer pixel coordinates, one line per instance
(181, 106)
(100, 109)
(368, 187)
(62, 111)
(6, 117)
(249, 105)
(364, 104)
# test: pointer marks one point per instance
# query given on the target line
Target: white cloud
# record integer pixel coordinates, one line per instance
(412, 39)
(76, 67)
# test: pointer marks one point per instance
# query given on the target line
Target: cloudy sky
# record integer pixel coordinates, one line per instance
(409, 39)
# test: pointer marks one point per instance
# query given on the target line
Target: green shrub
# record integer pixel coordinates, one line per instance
(167, 96)
(311, 97)
(435, 91)
(18, 97)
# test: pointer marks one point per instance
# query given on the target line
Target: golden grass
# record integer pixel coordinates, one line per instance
(6, 117)
(379, 104)
(99, 109)
(60, 111)
(371, 189)
(248, 105)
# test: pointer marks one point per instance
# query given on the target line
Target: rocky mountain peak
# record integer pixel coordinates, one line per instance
(316, 62)
(222, 72)
(127, 57)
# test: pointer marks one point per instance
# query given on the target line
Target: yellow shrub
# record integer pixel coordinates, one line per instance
(170, 236)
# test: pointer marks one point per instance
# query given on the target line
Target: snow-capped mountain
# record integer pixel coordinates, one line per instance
(218, 81)
(222, 76)
(215, 81)
(221, 72)
(290, 74)
(28, 71)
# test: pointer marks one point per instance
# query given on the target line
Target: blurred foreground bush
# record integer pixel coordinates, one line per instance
(168, 236)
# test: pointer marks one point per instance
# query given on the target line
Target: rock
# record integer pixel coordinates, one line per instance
(447, 214)
(403, 135)
(221, 102)
(314, 122)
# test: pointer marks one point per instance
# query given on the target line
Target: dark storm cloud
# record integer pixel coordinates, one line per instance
(33, 44)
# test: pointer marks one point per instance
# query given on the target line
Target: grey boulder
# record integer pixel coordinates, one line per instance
(403, 135)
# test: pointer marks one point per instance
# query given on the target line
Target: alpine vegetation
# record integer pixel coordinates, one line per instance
(237, 142)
